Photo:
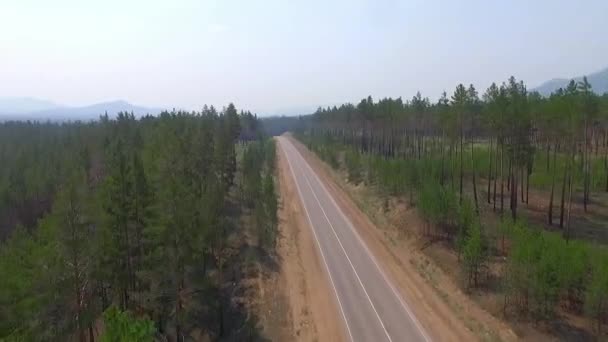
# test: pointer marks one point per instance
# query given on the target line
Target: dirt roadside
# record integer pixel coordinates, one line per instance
(441, 307)
(312, 313)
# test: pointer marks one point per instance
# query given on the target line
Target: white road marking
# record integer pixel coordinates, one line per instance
(405, 306)
(318, 244)
(348, 258)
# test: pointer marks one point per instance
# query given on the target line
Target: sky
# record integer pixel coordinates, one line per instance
(287, 56)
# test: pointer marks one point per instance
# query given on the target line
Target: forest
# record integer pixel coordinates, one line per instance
(124, 229)
(514, 183)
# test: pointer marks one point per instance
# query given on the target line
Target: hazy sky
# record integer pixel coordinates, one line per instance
(272, 56)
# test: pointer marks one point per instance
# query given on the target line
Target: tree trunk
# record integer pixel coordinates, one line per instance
(178, 327)
(91, 333)
(474, 180)
(125, 299)
(461, 162)
(509, 178)
(81, 334)
(548, 154)
(567, 233)
(496, 173)
(490, 172)
(585, 168)
(502, 179)
(522, 185)
(441, 146)
(220, 280)
(528, 173)
(514, 195)
(567, 170)
(550, 213)
(452, 168)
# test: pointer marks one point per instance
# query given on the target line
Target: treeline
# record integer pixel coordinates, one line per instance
(468, 163)
(33, 159)
(277, 125)
(258, 189)
(124, 216)
(507, 135)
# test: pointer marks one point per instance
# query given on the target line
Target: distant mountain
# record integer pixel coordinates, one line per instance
(64, 113)
(20, 105)
(94, 111)
(598, 80)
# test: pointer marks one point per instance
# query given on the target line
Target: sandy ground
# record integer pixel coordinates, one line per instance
(444, 310)
(312, 313)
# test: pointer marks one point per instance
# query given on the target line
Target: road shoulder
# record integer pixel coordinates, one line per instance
(312, 309)
(443, 310)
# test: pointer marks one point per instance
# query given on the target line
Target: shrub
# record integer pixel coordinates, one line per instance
(122, 326)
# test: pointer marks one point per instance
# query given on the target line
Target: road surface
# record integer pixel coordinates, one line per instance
(371, 307)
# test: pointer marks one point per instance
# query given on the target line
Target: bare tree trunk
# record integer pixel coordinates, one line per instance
(563, 199)
(514, 195)
(522, 185)
(474, 181)
(550, 213)
(461, 161)
(606, 165)
(585, 168)
(570, 186)
(178, 327)
(528, 184)
(441, 146)
(567, 233)
(496, 173)
(91, 333)
(220, 280)
(453, 167)
(548, 154)
(490, 172)
(179, 285)
(502, 180)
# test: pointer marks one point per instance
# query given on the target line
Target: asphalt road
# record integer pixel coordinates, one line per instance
(371, 308)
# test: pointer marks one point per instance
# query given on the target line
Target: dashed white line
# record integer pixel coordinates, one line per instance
(349, 261)
(350, 225)
(318, 244)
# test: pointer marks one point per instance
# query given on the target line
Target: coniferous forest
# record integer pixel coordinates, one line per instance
(515, 184)
(120, 229)
(128, 228)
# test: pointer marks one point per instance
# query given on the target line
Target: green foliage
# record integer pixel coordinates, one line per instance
(430, 151)
(596, 296)
(18, 258)
(466, 221)
(324, 147)
(131, 212)
(438, 205)
(121, 326)
(271, 206)
(543, 267)
(427, 202)
(258, 188)
(352, 160)
(473, 254)
(546, 279)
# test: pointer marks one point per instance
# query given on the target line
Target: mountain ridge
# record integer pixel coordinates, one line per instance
(598, 81)
(55, 112)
